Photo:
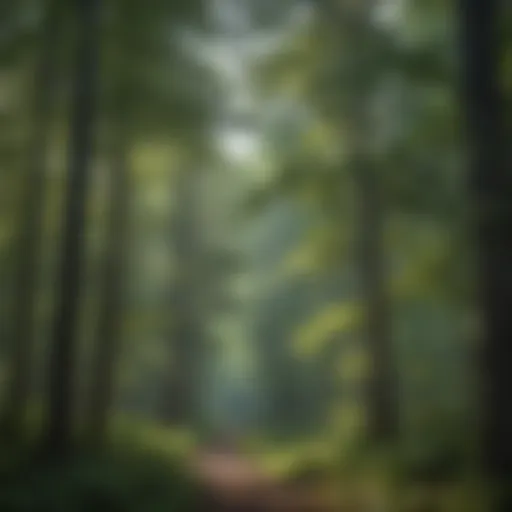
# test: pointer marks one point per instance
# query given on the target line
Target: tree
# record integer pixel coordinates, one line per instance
(340, 90)
(195, 290)
(149, 91)
(110, 315)
(490, 180)
(382, 399)
(62, 356)
(202, 266)
(180, 391)
(31, 221)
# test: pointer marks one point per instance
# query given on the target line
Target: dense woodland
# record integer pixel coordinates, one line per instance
(274, 230)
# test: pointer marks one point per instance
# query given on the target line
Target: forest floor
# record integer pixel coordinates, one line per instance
(148, 468)
(236, 482)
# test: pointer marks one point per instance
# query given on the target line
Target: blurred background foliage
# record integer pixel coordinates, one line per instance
(257, 219)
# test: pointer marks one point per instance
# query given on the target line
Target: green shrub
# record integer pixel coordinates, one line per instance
(120, 482)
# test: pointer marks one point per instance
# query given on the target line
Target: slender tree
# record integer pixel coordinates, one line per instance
(381, 392)
(491, 188)
(62, 356)
(118, 96)
(361, 39)
(31, 219)
(179, 392)
(110, 316)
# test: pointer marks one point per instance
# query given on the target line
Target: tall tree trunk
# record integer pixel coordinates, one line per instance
(381, 396)
(381, 393)
(29, 251)
(62, 356)
(109, 326)
(491, 187)
(179, 392)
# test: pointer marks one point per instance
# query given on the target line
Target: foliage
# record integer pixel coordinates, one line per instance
(119, 481)
(257, 136)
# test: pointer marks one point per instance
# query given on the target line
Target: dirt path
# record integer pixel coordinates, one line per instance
(234, 483)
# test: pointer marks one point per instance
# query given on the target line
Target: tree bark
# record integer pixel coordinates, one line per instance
(32, 211)
(491, 189)
(62, 356)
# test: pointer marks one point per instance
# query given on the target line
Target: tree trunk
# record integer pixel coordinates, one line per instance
(381, 391)
(109, 326)
(491, 188)
(62, 356)
(179, 392)
(32, 211)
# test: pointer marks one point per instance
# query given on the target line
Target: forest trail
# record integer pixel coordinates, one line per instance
(235, 483)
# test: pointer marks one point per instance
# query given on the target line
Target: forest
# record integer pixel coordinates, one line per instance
(253, 255)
